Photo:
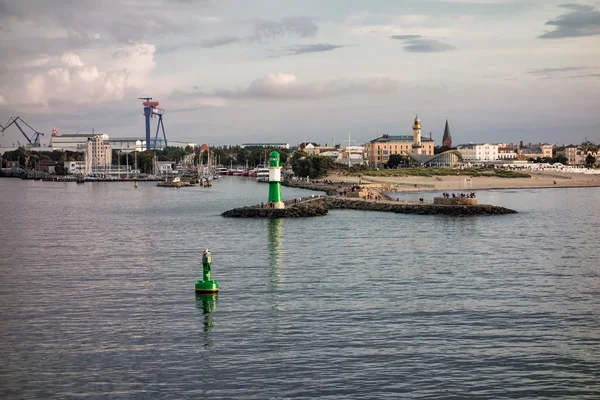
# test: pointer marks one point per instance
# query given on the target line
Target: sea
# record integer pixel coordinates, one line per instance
(97, 296)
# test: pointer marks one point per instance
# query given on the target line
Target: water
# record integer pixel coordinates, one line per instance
(97, 301)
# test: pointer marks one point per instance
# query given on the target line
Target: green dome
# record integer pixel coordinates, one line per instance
(274, 154)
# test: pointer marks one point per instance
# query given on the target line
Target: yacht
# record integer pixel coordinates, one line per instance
(262, 174)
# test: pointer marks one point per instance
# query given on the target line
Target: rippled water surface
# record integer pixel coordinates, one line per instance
(97, 297)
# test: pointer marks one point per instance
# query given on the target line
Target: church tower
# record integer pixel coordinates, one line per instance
(447, 139)
(417, 147)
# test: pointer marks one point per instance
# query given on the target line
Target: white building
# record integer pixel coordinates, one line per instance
(70, 142)
(98, 153)
(165, 167)
(506, 153)
(78, 142)
(478, 152)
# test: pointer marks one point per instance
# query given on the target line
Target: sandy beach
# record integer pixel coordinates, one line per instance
(465, 182)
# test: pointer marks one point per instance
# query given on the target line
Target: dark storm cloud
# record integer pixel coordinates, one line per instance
(582, 20)
(418, 44)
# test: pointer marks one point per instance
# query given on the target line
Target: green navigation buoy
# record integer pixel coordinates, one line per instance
(206, 285)
(275, 181)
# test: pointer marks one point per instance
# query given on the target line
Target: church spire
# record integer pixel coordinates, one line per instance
(447, 139)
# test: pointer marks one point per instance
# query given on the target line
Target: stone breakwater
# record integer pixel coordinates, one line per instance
(311, 208)
(329, 189)
(317, 207)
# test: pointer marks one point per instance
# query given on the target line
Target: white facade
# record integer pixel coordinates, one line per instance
(165, 167)
(506, 153)
(479, 152)
(70, 142)
(75, 167)
(98, 153)
(77, 142)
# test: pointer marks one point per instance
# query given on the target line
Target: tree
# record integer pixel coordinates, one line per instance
(441, 149)
(59, 169)
(395, 160)
(590, 160)
(311, 166)
(560, 159)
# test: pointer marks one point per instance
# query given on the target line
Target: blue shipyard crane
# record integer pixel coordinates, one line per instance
(151, 110)
(34, 141)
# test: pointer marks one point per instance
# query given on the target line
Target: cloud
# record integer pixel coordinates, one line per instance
(565, 72)
(584, 76)
(298, 26)
(48, 81)
(287, 86)
(418, 44)
(313, 48)
(547, 71)
(582, 20)
(219, 41)
(210, 19)
(406, 37)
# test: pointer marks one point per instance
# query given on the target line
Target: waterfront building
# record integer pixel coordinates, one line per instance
(165, 167)
(98, 153)
(78, 142)
(506, 153)
(70, 142)
(351, 155)
(310, 148)
(379, 150)
(546, 150)
(574, 154)
(478, 152)
(75, 167)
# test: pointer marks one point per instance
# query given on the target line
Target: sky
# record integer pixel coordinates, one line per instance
(235, 71)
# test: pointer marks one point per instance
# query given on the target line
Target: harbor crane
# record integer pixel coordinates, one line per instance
(34, 141)
(151, 110)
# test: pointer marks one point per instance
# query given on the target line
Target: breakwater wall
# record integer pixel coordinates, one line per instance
(455, 201)
(319, 207)
(329, 189)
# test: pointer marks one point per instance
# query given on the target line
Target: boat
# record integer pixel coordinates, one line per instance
(262, 174)
(175, 182)
(238, 172)
(252, 173)
(222, 171)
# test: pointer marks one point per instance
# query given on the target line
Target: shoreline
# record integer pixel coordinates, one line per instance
(449, 183)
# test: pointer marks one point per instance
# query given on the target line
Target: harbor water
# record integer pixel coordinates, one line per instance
(97, 297)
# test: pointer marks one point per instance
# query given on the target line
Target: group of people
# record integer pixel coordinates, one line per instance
(454, 195)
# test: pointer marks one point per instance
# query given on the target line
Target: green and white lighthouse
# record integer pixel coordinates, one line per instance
(275, 181)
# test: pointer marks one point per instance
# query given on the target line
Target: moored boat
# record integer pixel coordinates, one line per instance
(262, 174)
